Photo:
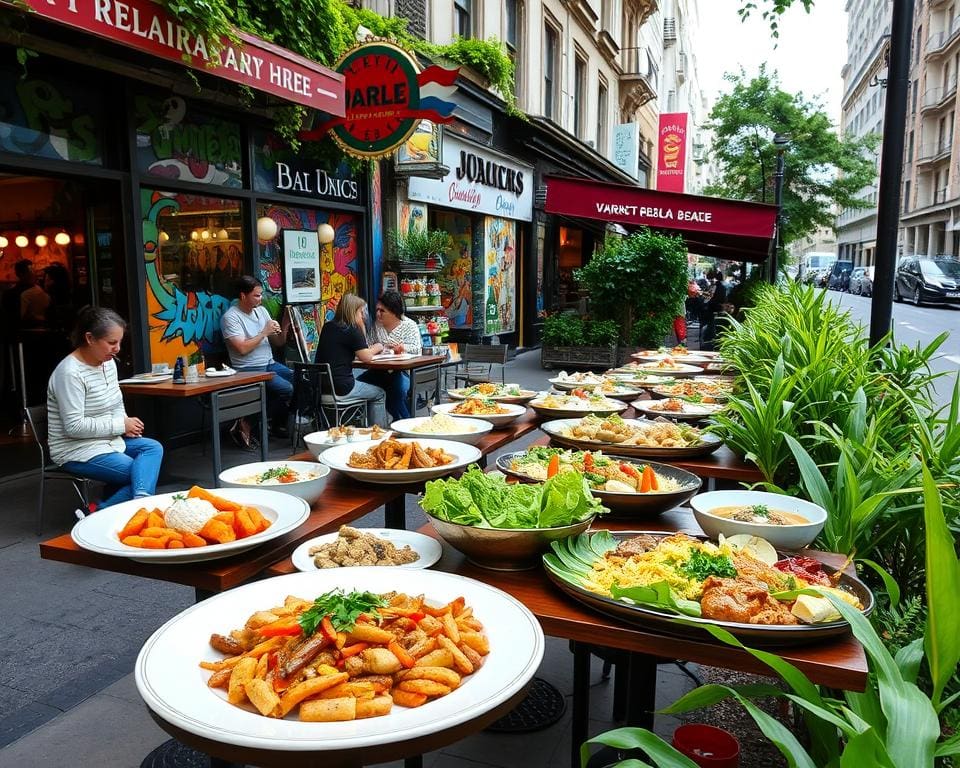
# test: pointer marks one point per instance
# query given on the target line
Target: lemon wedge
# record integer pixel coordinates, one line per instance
(814, 610)
(758, 548)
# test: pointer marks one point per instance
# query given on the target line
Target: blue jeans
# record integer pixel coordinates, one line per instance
(130, 474)
(396, 385)
(375, 398)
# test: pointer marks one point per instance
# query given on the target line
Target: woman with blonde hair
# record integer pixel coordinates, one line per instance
(342, 340)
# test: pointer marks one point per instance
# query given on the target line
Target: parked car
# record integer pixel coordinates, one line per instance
(861, 281)
(836, 278)
(922, 279)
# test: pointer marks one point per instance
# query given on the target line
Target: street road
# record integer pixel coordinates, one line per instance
(917, 325)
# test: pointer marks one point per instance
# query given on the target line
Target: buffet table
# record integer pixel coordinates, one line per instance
(836, 663)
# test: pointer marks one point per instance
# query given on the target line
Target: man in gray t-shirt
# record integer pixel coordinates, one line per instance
(250, 333)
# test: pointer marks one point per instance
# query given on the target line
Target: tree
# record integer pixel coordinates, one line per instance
(770, 11)
(639, 281)
(823, 172)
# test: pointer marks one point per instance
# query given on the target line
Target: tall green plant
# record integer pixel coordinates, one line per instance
(640, 281)
(892, 724)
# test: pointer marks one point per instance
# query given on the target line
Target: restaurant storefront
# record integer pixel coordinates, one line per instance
(484, 202)
(156, 189)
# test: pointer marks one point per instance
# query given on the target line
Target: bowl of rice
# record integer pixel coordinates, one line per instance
(304, 479)
(469, 431)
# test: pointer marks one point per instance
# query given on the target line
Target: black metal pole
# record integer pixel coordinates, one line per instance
(778, 201)
(891, 169)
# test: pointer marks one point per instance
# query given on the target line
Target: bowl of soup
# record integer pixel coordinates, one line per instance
(784, 521)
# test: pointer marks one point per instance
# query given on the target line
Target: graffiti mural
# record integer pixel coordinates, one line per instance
(184, 275)
(338, 260)
(456, 290)
(500, 241)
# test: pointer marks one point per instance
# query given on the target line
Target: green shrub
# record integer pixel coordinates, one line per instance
(638, 281)
(563, 329)
(600, 333)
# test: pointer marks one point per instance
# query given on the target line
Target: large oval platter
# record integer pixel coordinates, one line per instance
(664, 621)
(709, 443)
(99, 532)
(174, 687)
(624, 506)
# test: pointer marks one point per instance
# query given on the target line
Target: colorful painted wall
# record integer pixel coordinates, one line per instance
(500, 291)
(455, 280)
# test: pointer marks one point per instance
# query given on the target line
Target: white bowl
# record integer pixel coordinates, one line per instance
(338, 456)
(498, 420)
(470, 431)
(318, 442)
(308, 490)
(790, 537)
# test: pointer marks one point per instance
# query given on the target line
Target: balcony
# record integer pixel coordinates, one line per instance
(933, 152)
(940, 195)
(938, 42)
(937, 98)
(669, 31)
(638, 80)
(681, 68)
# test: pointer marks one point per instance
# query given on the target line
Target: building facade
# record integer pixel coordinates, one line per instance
(868, 43)
(930, 195)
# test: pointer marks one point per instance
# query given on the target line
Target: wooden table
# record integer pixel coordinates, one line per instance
(214, 386)
(837, 663)
(420, 361)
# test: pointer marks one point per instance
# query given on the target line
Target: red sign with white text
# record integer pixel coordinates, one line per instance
(146, 26)
(671, 151)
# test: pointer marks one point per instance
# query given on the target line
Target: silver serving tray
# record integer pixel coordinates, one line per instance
(709, 444)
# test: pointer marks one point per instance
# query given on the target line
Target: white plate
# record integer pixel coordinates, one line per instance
(338, 456)
(217, 374)
(148, 378)
(471, 431)
(498, 420)
(174, 687)
(308, 490)
(427, 547)
(525, 396)
(691, 411)
(384, 356)
(679, 370)
(98, 532)
(318, 442)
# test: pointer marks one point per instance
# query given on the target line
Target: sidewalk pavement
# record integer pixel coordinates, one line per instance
(72, 634)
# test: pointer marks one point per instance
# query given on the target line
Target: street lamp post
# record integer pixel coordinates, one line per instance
(780, 141)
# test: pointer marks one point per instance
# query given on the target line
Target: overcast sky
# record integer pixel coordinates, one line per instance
(809, 56)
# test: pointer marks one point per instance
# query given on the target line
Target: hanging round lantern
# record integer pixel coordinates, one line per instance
(266, 229)
(41, 241)
(325, 233)
(22, 241)
(61, 238)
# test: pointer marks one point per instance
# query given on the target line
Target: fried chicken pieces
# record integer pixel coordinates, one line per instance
(393, 454)
(746, 599)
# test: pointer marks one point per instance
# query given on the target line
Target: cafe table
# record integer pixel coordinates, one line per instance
(216, 388)
(837, 662)
(399, 362)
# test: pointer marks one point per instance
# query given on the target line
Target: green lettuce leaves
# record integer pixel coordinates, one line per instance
(488, 501)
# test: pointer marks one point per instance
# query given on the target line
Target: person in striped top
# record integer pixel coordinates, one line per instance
(89, 431)
(399, 333)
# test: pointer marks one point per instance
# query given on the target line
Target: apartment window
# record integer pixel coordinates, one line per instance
(513, 37)
(579, 95)
(602, 117)
(913, 97)
(463, 18)
(550, 50)
(916, 45)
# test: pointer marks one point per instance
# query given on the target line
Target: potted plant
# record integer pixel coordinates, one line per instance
(418, 246)
(640, 283)
(572, 341)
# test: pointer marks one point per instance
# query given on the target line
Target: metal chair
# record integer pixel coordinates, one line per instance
(426, 382)
(478, 361)
(37, 419)
(227, 405)
(315, 396)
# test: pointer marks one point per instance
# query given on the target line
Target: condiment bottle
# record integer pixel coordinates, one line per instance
(178, 372)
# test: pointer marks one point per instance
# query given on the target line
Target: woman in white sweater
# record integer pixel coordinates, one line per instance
(89, 432)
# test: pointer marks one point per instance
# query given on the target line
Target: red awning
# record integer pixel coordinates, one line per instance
(711, 226)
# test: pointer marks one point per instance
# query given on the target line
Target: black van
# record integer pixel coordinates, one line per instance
(836, 277)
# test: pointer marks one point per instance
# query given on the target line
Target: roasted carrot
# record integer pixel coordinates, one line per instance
(224, 505)
(135, 524)
(646, 480)
(281, 628)
(401, 653)
(554, 466)
(352, 650)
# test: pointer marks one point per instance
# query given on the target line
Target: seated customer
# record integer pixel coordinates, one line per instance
(341, 340)
(90, 434)
(401, 334)
(250, 333)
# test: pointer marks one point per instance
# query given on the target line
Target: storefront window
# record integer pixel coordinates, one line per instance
(456, 290)
(500, 247)
(177, 142)
(56, 121)
(338, 260)
(193, 249)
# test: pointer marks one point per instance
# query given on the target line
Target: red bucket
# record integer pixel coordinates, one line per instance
(707, 746)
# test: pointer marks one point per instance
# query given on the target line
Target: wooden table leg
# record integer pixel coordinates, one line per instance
(263, 421)
(395, 513)
(215, 437)
(641, 690)
(413, 762)
(581, 700)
